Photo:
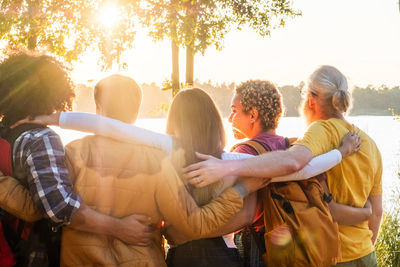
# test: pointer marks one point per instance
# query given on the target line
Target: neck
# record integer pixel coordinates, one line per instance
(257, 129)
(327, 117)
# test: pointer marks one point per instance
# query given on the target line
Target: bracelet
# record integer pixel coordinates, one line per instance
(327, 198)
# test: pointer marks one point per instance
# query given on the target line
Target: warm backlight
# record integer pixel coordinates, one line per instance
(109, 16)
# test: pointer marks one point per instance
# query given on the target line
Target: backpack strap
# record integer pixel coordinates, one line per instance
(259, 147)
(287, 142)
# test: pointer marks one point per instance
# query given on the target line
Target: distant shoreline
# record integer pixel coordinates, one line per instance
(368, 101)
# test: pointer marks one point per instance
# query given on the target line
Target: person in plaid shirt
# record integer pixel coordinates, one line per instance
(32, 85)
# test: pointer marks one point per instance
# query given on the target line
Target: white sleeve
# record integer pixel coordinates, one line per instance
(116, 129)
(316, 166)
(231, 156)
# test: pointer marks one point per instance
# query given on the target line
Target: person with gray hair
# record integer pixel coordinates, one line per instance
(355, 180)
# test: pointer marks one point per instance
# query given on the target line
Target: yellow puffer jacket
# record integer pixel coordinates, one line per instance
(120, 179)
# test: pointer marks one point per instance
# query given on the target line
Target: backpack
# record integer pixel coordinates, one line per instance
(19, 238)
(313, 239)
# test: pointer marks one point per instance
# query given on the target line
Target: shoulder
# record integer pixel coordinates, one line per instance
(321, 129)
(39, 138)
(320, 125)
(244, 148)
(97, 144)
(38, 133)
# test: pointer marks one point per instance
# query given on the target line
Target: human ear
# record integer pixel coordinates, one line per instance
(311, 102)
(253, 115)
(99, 109)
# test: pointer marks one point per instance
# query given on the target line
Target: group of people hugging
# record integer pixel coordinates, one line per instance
(127, 196)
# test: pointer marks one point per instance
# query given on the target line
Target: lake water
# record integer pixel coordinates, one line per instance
(384, 130)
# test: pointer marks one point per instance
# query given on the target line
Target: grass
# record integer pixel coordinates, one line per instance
(388, 245)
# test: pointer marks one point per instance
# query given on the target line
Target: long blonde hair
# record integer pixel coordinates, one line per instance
(196, 122)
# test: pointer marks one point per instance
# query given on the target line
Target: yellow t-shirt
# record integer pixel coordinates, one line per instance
(351, 182)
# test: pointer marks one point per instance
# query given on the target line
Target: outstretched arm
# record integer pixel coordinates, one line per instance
(286, 165)
(92, 123)
(316, 166)
(271, 164)
(350, 144)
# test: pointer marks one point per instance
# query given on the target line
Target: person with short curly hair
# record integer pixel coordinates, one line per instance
(262, 97)
(256, 110)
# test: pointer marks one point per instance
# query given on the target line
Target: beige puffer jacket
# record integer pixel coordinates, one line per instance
(120, 179)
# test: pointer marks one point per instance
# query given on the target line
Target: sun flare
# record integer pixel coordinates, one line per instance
(109, 16)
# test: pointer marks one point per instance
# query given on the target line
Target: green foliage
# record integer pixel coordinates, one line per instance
(201, 23)
(388, 244)
(67, 28)
(378, 101)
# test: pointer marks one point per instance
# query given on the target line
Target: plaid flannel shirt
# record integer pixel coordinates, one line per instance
(38, 158)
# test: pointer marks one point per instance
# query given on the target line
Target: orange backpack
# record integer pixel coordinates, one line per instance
(313, 236)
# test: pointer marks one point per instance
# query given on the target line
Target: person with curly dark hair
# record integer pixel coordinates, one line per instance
(31, 85)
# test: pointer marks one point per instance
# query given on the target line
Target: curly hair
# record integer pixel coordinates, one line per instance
(32, 85)
(265, 98)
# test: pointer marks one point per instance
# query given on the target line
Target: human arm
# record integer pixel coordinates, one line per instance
(16, 200)
(345, 214)
(133, 229)
(319, 164)
(104, 126)
(242, 219)
(376, 217)
(51, 188)
(271, 164)
(180, 210)
(348, 215)
(375, 197)
(350, 144)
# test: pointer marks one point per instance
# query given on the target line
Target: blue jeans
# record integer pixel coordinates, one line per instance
(207, 252)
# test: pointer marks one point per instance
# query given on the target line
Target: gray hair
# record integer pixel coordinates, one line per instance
(329, 83)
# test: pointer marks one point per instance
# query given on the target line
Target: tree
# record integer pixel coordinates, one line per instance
(67, 28)
(199, 24)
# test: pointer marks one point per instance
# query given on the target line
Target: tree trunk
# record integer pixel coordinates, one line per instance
(33, 8)
(189, 66)
(175, 68)
(32, 41)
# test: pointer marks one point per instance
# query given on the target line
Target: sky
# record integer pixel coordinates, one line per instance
(359, 37)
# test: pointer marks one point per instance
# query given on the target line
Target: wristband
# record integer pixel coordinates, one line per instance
(241, 189)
